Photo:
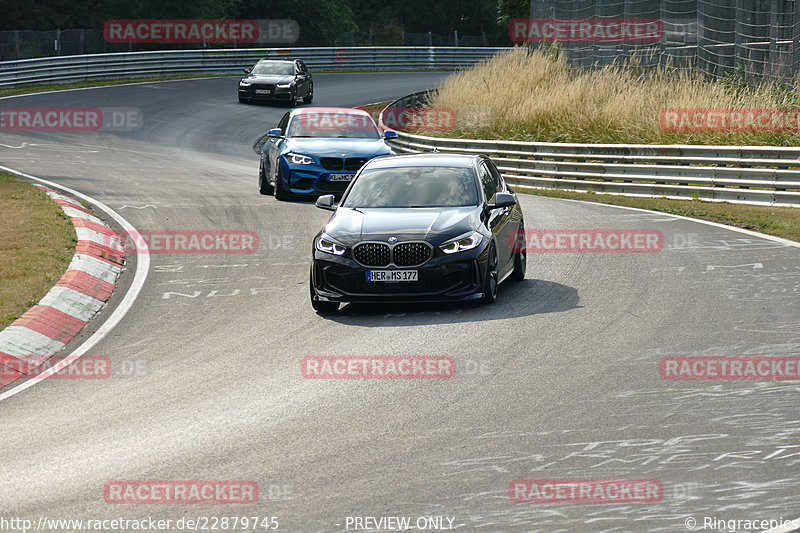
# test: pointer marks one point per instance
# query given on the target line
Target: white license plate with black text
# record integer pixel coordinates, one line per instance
(392, 276)
(341, 177)
(262, 91)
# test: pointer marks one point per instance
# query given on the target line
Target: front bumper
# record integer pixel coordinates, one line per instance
(441, 279)
(313, 179)
(265, 93)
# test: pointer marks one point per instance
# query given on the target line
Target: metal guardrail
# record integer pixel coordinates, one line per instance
(231, 61)
(759, 175)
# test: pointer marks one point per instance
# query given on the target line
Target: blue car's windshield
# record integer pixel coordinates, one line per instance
(278, 68)
(333, 124)
(413, 187)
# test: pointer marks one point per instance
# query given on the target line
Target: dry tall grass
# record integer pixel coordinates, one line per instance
(535, 96)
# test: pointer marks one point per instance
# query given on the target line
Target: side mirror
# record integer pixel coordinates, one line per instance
(326, 201)
(276, 132)
(503, 199)
(247, 70)
(389, 134)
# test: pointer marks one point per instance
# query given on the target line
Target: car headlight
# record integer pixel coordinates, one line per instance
(244, 83)
(329, 246)
(284, 86)
(468, 241)
(298, 159)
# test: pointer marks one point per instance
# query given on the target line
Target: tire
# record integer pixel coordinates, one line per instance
(280, 193)
(292, 101)
(307, 99)
(490, 282)
(322, 308)
(520, 258)
(263, 181)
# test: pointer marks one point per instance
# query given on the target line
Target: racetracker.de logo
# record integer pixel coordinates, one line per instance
(85, 367)
(419, 118)
(334, 120)
(193, 242)
(761, 368)
(180, 492)
(586, 30)
(70, 118)
(181, 31)
(377, 367)
(586, 491)
(729, 120)
(587, 241)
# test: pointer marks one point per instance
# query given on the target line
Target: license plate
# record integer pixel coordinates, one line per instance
(341, 177)
(392, 276)
(262, 91)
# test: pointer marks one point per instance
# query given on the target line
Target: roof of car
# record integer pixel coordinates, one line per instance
(423, 160)
(349, 110)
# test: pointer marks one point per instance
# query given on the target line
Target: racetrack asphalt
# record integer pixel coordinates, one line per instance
(558, 379)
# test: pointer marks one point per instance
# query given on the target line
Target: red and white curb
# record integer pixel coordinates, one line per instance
(77, 297)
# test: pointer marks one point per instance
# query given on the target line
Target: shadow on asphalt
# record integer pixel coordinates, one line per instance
(514, 299)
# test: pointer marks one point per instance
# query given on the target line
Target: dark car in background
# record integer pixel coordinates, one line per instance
(418, 228)
(277, 81)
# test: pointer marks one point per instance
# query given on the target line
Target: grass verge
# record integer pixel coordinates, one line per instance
(37, 241)
(778, 221)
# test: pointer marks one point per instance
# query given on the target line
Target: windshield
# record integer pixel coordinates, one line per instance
(333, 124)
(274, 67)
(414, 187)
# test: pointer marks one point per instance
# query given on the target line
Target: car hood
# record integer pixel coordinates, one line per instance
(432, 224)
(269, 78)
(333, 147)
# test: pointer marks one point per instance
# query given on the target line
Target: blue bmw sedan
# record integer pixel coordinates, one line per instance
(318, 150)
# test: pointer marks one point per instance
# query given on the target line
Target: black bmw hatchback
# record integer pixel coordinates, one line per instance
(418, 228)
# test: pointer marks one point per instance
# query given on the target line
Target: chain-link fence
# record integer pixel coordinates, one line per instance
(756, 38)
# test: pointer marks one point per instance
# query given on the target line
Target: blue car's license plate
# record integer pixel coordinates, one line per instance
(341, 177)
(392, 275)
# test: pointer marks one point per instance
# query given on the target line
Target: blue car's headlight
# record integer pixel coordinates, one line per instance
(330, 246)
(468, 241)
(299, 159)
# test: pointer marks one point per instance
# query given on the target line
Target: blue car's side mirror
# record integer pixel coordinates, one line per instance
(389, 134)
(276, 132)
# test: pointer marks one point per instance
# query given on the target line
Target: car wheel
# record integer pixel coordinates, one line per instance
(520, 257)
(490, 283)
(280, 192)
(263, 181)
(321, 307)
(307, 99)
(292, 100)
